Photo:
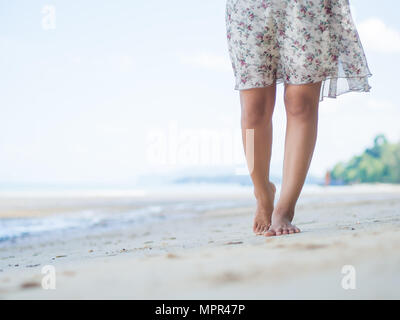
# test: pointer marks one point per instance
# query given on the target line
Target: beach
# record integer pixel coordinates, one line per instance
(201, 246)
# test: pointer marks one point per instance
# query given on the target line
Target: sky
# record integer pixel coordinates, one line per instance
(107, 91)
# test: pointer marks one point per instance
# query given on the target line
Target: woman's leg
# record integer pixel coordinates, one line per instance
(301, 102)
(257, 109)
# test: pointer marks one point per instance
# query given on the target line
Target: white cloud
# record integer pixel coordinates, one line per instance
(378, 37)
(207, 61)
(382, 105)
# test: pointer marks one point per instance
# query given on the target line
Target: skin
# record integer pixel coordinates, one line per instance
(301, 105)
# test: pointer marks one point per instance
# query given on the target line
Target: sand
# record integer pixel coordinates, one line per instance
(215, 255)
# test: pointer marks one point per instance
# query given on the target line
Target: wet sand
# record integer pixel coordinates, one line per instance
(215, 255)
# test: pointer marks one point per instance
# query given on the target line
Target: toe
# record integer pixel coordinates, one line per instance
(297, 230)
(285, 231)
(291, 231)
(278, 231)
(270, 233)
(255, 227)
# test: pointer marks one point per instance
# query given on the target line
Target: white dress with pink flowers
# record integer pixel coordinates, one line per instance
(296, 42)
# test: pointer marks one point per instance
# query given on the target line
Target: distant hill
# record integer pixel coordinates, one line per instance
(380, 163)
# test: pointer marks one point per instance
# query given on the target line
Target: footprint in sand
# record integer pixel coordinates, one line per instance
(234, 242)
(30, 285)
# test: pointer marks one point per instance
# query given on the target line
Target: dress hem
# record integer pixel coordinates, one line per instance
(323, 80)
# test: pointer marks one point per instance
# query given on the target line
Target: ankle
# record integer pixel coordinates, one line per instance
(263, 191)
(264, 198)
(284, 209)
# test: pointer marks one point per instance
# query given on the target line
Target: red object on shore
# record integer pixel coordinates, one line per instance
(327, 178)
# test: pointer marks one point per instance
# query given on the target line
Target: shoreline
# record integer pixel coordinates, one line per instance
(20, 204)
(214, 255)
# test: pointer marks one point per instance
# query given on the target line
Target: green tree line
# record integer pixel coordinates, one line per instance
(381, 163)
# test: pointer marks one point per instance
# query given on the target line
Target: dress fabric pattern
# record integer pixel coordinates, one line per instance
(296, 42)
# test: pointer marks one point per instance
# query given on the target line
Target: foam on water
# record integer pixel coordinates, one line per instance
(98, 219)
(67, 224)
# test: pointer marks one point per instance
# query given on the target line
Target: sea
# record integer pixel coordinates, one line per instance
(99, 209)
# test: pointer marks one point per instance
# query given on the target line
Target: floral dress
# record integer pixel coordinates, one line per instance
(296, 42)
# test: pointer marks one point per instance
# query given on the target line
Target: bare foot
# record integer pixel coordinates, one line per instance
(265, 206)
(281, 223)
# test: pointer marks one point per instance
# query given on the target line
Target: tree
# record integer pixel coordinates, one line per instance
(381, 163)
